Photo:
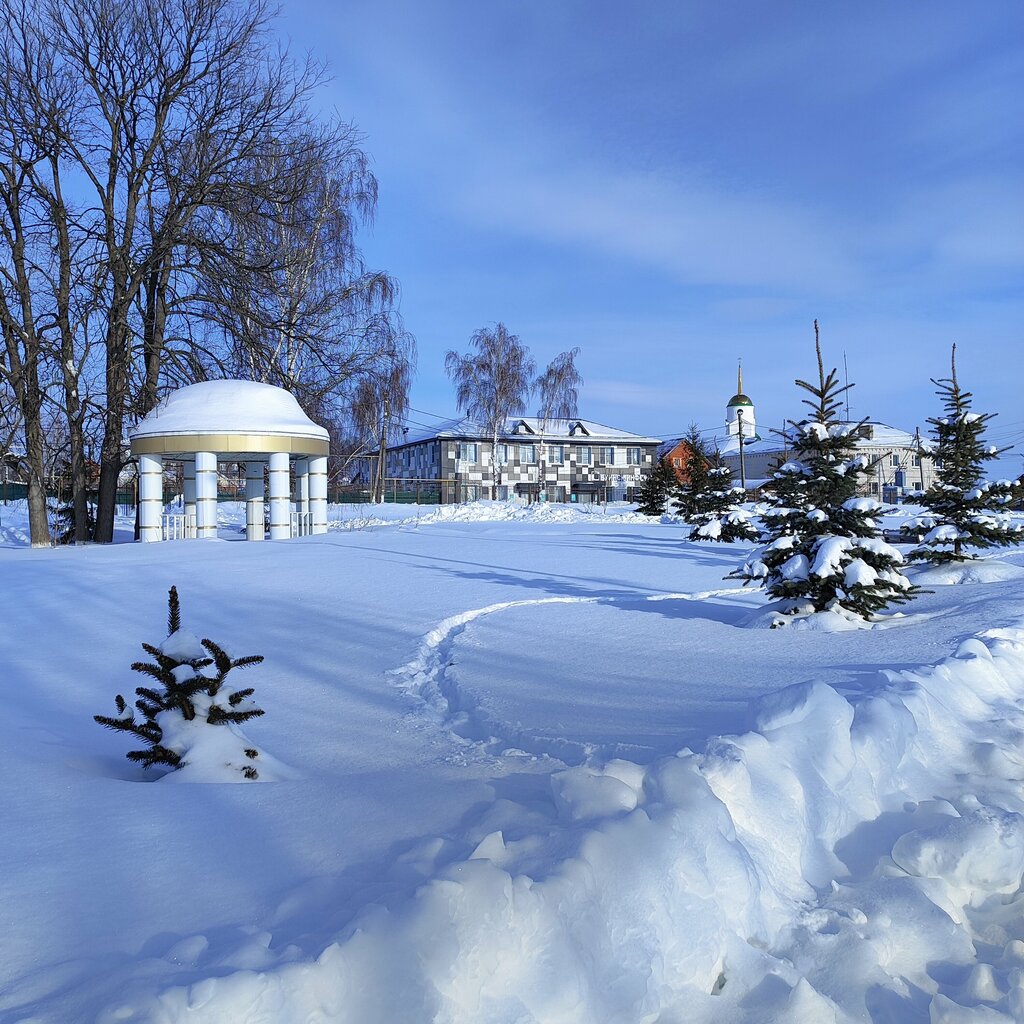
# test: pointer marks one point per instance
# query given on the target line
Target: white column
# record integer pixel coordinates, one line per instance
(280, 506)
(302, 485)
(302, 493)
(318, 493)
(151, 497)
(188, 498)
(206, 495)
(254, 501)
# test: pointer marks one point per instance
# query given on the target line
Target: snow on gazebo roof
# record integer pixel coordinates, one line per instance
(229, 416)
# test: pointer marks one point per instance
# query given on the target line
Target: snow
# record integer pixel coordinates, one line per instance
(861, 505)
(551, 428)
(534, 768)
(229, 407)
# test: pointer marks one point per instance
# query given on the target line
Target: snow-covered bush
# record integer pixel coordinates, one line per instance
(963, 512)
(824, 551)
(190, 714)
(718, 513)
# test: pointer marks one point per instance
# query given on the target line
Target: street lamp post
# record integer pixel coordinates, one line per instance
(743, 469)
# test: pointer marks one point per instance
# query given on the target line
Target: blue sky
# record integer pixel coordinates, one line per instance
(675, 186)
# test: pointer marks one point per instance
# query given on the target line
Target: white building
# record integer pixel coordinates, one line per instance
(560, 460)
(898, 467)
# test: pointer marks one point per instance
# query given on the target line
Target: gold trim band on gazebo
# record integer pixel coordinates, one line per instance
(229, 444)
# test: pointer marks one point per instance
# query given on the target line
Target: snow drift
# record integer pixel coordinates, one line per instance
(842, 861)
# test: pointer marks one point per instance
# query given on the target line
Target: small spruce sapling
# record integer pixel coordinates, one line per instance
(963, 511)
(189, 688)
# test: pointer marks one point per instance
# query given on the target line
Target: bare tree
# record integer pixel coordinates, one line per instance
(203, 193)
(558, 393)
(10, 415)
(290, 291)
(188, 77)
(492, 382)
(380, 404)
(558, 388)
(23, 237)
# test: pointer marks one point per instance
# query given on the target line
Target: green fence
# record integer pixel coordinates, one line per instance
(13, 492)
(401, 492)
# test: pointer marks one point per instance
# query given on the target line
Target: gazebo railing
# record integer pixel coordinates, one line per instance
(178, 526)
(302, 524)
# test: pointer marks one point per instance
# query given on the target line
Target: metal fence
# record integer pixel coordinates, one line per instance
(405, 492)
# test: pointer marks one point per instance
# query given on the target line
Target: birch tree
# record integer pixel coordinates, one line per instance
(492, 382)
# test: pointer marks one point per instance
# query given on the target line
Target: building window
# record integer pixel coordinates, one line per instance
(677, 463)
(556, 454)
(608, 456)
(916, 460)
(585, 456)
(528, 454)
(467, 451)
(634, 456)
(894, 460)
(502, 454)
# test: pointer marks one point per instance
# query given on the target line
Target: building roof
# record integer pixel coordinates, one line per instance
(238, 417)
(229, 407)
(753, 445)
(882, 436)
(529, 427)
(740, 399)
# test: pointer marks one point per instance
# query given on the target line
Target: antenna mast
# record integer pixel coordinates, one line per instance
(846, 373)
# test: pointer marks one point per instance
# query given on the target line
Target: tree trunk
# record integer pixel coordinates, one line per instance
(111, 452)
(38, 520)
(154, 320)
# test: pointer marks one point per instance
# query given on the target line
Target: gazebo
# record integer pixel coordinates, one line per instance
(237, 421)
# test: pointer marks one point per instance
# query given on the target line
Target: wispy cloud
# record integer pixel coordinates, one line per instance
(690, 231)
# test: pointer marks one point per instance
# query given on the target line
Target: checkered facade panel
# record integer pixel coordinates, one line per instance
(524, 464)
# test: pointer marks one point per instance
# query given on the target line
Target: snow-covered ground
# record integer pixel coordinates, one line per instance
(535, 768)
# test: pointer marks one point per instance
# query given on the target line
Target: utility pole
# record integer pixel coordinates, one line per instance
(386, 412)
(743, 470)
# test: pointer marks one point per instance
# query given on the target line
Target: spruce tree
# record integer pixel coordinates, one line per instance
(189, 685)
(718, 512)
(697, 480)
(824, 551)
(62, 520)
(655, 489)
(963, 511)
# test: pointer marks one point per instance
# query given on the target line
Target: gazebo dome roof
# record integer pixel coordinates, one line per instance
(229, 416)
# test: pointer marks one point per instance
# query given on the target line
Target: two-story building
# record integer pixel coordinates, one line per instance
(558, 460)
